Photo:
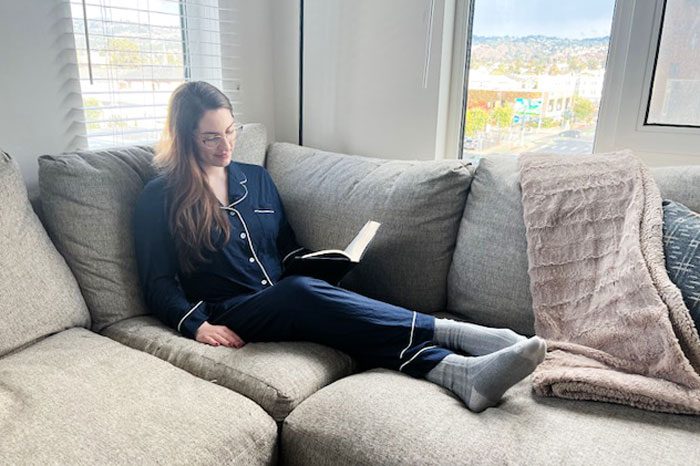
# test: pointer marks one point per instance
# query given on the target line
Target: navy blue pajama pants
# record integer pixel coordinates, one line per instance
(375, 333)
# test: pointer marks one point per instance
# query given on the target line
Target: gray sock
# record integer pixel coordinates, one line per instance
(481, 381)
(473, 339)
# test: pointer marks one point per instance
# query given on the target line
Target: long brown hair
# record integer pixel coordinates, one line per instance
(194, 217)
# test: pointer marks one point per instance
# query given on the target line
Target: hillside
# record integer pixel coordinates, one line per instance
(538, 54)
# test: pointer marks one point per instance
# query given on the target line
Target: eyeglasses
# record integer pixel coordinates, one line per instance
(215, 140)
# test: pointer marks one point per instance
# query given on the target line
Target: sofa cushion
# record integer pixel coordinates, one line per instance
(681, 184)
(277, 376)
(80, 398)
(682, 253)
(38, 293)
(87, 201)
(328, 197)
(384, 417)
(488, 281)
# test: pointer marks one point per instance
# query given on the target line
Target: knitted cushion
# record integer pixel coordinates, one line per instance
(682, 250)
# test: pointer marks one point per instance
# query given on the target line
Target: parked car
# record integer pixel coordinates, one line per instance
(471, 143)
(571, 133)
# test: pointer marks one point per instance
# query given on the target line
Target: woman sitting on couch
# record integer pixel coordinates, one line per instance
(211, 238)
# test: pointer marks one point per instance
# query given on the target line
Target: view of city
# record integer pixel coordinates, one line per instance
(532, 92)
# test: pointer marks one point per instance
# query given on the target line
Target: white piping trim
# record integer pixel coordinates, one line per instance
(414, 356)
(264, 211)
(252, 249)
(295, 251)
(410, 341)
(242, 183)
(187, 315)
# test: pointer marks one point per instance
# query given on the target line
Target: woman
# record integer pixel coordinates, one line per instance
(211, 239)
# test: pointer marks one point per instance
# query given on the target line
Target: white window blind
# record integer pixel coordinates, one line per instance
(131, 55)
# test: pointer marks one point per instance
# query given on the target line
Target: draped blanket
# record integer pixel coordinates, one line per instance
(616, 327)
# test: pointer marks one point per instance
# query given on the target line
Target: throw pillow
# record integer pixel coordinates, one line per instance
(682, 250)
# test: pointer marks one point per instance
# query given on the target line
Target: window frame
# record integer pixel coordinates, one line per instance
(634, 40)
(627, 89)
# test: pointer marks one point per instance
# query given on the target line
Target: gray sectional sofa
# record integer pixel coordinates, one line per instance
(87, 376)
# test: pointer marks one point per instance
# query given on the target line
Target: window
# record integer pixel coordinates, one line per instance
(675, 88)
(544, 61)
(642, 107)
(131, 55)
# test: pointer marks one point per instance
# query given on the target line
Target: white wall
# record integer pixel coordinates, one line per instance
(255, 69)
(33, 84)
(371, 77)
(285, 34)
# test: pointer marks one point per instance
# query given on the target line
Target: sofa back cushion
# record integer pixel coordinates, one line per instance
(328, 197)
(38, 293)
(488, 282)
(87, 201)
(680, 184)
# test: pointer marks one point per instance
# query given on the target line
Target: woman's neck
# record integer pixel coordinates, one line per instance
(215, 173)
(216, 178)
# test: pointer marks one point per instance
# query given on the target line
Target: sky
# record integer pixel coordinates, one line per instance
(573, 19)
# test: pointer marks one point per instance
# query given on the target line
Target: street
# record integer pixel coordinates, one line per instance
(565, 146)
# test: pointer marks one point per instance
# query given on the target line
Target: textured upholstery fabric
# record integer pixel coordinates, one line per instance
(251, 144)
(680, 184)
(38, 293)
(87, 201)
(277, 376)
(383, 417)
(328, 197)
(488, 282)
(80, 398)
(682, 253)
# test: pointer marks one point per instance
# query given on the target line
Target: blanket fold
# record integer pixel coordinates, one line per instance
(617, 328)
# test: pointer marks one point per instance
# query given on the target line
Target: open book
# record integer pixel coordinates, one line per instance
(332, 264)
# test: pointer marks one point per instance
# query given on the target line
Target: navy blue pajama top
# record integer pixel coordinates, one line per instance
(251, 261)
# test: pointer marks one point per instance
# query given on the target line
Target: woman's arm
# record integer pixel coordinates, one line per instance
(157, 267)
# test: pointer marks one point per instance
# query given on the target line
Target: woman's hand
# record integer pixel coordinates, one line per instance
(216, 335)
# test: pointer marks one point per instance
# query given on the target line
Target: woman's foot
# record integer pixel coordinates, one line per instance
(481, 381)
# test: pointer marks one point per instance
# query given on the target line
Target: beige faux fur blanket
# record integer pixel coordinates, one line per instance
(616, 327)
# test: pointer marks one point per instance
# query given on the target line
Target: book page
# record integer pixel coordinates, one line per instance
(325, 252)
(357, 246)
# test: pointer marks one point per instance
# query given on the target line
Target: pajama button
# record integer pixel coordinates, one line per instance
(242, 235)
(231, 214)
(251, 260)
(264, 282)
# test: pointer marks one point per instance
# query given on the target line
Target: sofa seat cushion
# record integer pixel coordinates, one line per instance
(80, 398)
(88, 200)
(384, 417)
(277, 376)
(38, 293)
(328, 197)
